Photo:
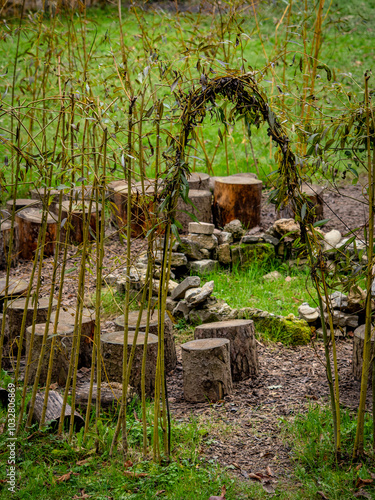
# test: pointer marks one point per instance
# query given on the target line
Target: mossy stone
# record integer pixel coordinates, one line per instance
(244, 254)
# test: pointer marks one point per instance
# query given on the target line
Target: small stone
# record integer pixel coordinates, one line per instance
(309, 314)
(192, 292)
(206, 253)
(273, 276)
(248, 239)
(341, 319)
(178, 259)
(201, 228)
(181, 310)
(338, 300)
(210, 312)
(190, 249)
(223, 254)
(285, 226)
(224, 237)
(156, 284)
(338, 333)
(207, 241)
(189, 282)
(332, 239)
(204, 266)
(235, 228)
(170, 304)
(201, 294)
(110, 279)
(271, 239)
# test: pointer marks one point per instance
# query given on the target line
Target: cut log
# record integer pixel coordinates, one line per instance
(237, 198)
(110, 394)
(112, 346)
(16, 288)
(61, 353)
(67, 317)
(142, 205)
(243, 348)
(357, 359)
(15, 312)
(201, 208)
(170, 357)
(21, 203)
(5, 230)
(77, 217)
(30, 222)
(199, 180)
(54, 407)
(206, 366)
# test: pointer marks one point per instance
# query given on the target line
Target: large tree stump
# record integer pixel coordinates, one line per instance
(5, 230)
(112, 346)
(30, 222)
(199, 180)
(16, 310)
(201, 208)
(206, 366)
(16, 288)
(77, 216)
(170, 356)
(61, 353)
(357, 359)
(110, 394)
(67, 317)
(21, 203)
(54, 407)
(237, 198)
(243, 348)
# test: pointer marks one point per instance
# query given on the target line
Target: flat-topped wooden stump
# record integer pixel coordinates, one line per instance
(170, 356)
(243, 348)
(61, 353)
(237, 197)
(30, 223)
(21, 203)
(112, 348)
(5, 239)
(16, 309)
(206, 366)
(16, 288)
(77, 215)
(67, 317)
(199, 180)
(201, 208)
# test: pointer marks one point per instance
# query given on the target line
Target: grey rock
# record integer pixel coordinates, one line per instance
(191, 293)
(235, 228)
(271, 239)
(273, 276)
(181, 310)
(170, 304)
(178, 259)
(201, 294)
(110, 279)
(338, 300)
(341, 319)
(285, 226)
(309, 314)
(204, 266)
(220, 311)
(207, 241)
(190, 249)
(206, 253)
(224, 254)
(224, 237)
(249, 238)
(332, 239)
(189, 282)
(201, 228)
(338, 333)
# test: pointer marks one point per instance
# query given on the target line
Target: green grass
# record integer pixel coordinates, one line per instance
(247, 288)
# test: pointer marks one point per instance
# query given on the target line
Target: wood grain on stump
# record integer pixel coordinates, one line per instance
(112, 346)
(201, 208)
(16, 288)
(21, 203)
(5, 233)
(199, 180)
(77, 216)
(358, 345)
(54, 407)
(237, 198)
(67, 317)
(243, 348)
(170, 356)
(16, 310)
(206, 366)
(29, 223)
(61, 353)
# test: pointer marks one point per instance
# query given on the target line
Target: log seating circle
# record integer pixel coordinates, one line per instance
(206, 370)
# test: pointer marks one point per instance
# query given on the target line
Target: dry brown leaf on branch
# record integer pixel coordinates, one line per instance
(129, 473)
(222, 496)
(64, 477)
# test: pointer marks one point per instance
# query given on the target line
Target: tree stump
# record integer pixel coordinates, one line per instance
(357, 359)
(243, 348)
(142, 205)
(5, 230)
(54, 407)
(15, 312)
(16, 288)
(314, 195)
(67, 317)
(61, 353)
(201, 208)
(170, 356)
(199, 180)
(112, 346)
(22, 203)
(237, 198)
(49, 200)
(206, 366)
(30, 222)
(77, 216)
(110, 394)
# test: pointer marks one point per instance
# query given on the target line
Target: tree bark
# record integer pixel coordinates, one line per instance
(29, 222)
(112, 345)
(237, 197)
(243, 349)
(206, 366)
(110, 394)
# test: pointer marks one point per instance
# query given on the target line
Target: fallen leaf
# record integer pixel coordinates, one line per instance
(64, 477)
(128, 464)
(84, 462)
(160, 492)
(54, 386)
(83, 495)
(129, 473)
(222, 496)
(255, 477)
(362, 494)
(269, 471)
(267, 486)
(322, 495)
(363, 482)
(358, 466)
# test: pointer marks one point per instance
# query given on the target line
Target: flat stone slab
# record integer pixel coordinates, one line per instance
(201, 228)
(204, 266)
(189, 282)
